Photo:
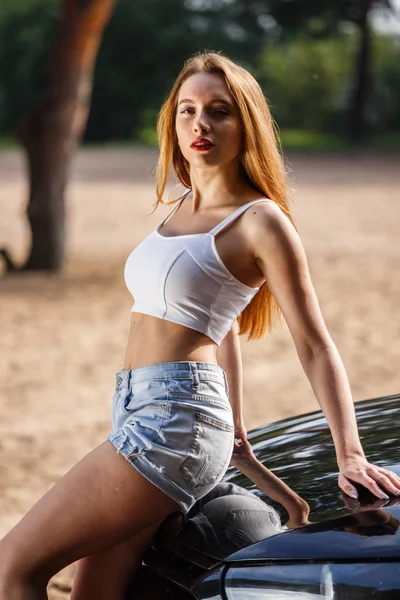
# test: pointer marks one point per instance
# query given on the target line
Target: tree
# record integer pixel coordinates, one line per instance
(322, 18)
(167, 33)
(307, 81)
(53, 129)
(362, 71)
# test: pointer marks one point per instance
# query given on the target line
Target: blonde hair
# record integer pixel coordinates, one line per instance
(261, 160)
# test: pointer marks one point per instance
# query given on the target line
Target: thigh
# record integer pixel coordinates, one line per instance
(106, 575)
(100, 502)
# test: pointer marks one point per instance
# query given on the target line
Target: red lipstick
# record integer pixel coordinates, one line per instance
(201, 144)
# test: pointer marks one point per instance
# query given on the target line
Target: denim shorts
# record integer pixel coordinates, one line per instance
(173, 422)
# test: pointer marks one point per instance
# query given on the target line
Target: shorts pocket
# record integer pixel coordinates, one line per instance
(144, 409)
(209, 453)
(142, 393)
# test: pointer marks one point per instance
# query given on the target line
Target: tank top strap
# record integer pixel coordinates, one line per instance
(173, 209)
(236, 213)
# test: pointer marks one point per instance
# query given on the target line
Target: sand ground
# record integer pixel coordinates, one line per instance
(63, 336)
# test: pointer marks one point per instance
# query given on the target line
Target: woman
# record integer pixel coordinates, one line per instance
(228, 252)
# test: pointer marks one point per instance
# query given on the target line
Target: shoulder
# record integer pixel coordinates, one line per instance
(266, 225)
(265, 215)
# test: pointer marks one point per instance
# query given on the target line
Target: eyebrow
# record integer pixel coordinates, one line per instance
(215, 100)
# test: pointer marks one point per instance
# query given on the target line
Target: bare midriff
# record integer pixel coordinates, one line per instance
(153, 340)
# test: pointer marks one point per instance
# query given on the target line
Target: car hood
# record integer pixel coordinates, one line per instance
(346, 538)
(301, 452)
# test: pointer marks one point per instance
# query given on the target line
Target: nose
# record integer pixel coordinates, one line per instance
(201, 124)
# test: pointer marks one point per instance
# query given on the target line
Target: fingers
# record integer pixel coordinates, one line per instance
(393, 479)
(357, 506)
(369, 483)
(393, 502)
(347, 487)
(374, 479)
(385, 479)
(241, 444)
(240, 434)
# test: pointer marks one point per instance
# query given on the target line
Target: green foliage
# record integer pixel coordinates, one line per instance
(303, 139)
(144, 48)
(307, 81)
(27, 28)
(384, 141)
(7, 143)
(296, 49)
(384, 106)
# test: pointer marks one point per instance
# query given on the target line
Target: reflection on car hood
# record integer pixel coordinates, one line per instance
(345, 538)
(301, 452)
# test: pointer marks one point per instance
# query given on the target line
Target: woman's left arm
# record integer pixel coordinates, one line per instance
(229, 358)
(280, 255)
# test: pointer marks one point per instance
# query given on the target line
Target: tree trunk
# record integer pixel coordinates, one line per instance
(361, 76)
(51, 132)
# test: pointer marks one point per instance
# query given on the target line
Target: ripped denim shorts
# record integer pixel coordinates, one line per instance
(173, 422)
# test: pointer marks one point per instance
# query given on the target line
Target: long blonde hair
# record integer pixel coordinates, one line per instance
(261, 160)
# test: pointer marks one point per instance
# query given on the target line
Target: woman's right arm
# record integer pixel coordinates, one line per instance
(298, 510)
(229, 358)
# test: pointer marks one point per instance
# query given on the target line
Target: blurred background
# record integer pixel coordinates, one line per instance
(80, 87)
(330, 69)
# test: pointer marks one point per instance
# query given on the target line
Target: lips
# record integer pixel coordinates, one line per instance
(201, 144)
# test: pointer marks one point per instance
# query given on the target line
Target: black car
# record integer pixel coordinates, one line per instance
(342, 554)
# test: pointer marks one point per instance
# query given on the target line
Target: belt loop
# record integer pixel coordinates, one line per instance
(194, 375)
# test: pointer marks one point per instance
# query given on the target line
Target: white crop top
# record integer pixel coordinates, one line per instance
(183, 279)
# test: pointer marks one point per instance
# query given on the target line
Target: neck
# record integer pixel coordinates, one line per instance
(217, 186)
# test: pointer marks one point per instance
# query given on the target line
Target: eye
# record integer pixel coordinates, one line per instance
(220, 112)
(187, 111)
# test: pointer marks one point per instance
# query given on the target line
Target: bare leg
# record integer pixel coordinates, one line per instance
(99, 503)
(106, 575)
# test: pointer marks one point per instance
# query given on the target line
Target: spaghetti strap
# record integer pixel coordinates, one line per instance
(235, 215)
(173, 209)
